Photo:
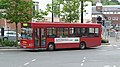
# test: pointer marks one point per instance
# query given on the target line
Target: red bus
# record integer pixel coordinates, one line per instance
(53, 36)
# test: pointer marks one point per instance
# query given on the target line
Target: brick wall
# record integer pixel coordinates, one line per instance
(10, 25)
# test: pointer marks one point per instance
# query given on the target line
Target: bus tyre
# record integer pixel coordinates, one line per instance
(51, 47)
(82, 45)
(5, 38)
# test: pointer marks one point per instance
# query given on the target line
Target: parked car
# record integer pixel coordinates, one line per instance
(10, 35)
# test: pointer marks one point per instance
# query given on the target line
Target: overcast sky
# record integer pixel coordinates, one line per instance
(42, 5)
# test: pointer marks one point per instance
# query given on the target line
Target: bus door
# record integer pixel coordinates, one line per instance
(36, 35)
(43, 37)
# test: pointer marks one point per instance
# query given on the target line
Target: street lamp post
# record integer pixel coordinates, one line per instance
(81, 11)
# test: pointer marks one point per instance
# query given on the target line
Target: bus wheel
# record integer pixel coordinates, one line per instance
(51, 47)
(82, 45)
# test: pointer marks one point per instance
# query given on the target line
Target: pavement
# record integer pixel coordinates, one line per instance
(10, 48)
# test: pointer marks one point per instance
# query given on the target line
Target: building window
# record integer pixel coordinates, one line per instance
(109, 18)
(113, 18)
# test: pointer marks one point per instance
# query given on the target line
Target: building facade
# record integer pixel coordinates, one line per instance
(110, 13)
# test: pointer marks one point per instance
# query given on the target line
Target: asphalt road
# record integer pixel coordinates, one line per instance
(103, 56)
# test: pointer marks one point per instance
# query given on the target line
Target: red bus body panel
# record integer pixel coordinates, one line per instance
(25, 43)
(90, 42)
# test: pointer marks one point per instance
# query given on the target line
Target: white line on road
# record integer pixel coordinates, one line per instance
(33, 60)
(107, 66)
(115, 45)
(114, 66)
(81, 64)
(110, 66)
(84, 58)
(118, 48)
(27, 63)
(83, 61)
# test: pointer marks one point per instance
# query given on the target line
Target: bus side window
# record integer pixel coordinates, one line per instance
(79, 32)
(60, 32)
(65, 34)
(96, 32)
(84, 32)
(73, 32)
(51, 32)
(91, 32)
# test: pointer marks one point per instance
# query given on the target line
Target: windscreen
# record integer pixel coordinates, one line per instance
(26, 33)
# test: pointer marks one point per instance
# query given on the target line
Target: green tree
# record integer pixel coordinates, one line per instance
(68, 10)
(17, 11)
(112, 2)
(39, 15)
(107, 2)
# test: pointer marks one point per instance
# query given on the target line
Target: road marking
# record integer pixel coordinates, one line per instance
(115, 45)
(81, 64)
(27, 63)
(114, 65)
(83, 61)
(110, 66)
(118, 48)
(33, 60)
(107, 66)
(84, 58)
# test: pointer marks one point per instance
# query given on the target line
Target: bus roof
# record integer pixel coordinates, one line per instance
(57, 24)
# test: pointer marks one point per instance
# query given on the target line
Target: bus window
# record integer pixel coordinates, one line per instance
(73, 32)
(84, 32)
(79, 32)
(96, 32)
(65, 32)
(91, 32)
(60, 32)
(26, 33)
(51, 32)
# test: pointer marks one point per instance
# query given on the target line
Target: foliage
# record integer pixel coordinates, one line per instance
(107, 2)
(40, 15)
(7, 43)
(68, 10)
(112, 2)
(17, 11)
